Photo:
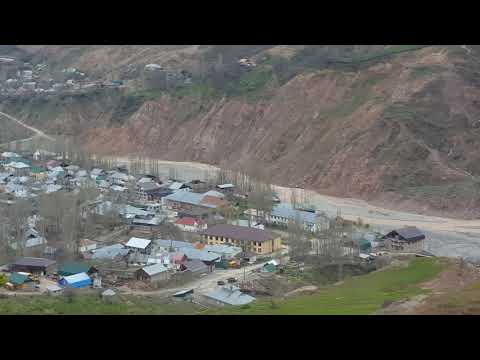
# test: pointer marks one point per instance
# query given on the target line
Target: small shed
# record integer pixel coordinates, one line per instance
(17, 280)
(153, 273)
(247, 256)
(76, 281)
(184, 294)
(54, 289)
(196, 267)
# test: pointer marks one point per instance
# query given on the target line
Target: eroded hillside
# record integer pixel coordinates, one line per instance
(398, 128)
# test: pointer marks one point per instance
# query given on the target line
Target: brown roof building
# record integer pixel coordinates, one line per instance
(259, 241)
(33, 265)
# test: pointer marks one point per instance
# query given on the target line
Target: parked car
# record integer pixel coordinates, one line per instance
(220, 283)
(231, 280)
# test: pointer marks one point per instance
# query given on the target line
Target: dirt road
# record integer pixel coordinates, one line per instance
(35, 130)
(202, 285)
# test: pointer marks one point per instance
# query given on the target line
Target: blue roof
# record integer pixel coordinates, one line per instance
(286, 210)
(77, 281)
(188, 198)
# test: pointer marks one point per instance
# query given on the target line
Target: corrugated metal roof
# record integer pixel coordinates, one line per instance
(238, 233)
(176, 185)
(225, 186)
(286, 210)
(223, 249)
(149, 186)
(110, 252)
(31, 261)
(174, 243)
(410, 232)
(154, 269)
(73, 268)
(72, 279)
(214, 194)
(230, 296)
(188, 197)
(195, 254)
(138, 243)
(195, 265)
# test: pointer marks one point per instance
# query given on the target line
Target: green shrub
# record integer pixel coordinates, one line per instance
(3, 279)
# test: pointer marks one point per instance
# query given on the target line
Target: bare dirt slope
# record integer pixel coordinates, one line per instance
(400, 129)
(454, 291)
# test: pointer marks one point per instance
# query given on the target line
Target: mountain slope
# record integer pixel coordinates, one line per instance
(392, 124)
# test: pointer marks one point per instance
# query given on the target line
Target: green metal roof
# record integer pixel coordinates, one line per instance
(17, 279)
(37, 169)
(364, 244)
(72, 268)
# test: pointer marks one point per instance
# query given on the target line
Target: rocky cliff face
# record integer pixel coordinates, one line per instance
(403, 128)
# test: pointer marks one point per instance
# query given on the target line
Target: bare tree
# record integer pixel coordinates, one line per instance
(297, 238)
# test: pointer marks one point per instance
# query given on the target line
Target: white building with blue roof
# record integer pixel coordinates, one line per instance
(284, 213)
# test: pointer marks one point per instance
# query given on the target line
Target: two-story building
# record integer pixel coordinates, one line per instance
(190, 203)
(282, 214)
(406, 239)
(259, 241)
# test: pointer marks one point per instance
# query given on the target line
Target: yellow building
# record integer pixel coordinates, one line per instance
(259, 241)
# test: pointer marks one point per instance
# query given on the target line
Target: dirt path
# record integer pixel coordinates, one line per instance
(201, 285)
(35, 130)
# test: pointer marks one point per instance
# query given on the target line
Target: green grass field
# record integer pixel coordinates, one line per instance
(356, 296)
(91, 305)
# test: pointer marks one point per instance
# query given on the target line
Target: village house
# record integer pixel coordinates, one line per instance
(177, 186)
(204, 256)
(86, 245)
(197, 185)
(226, 188)
(200, 204)
(247, 256)
(138, 245)
(77, 281)
(282, 214)
(153, 273)
(110, 252)
(149, 191)
(226, 252)
(228, 295)
(195, 267)
(33, 265)
(406, 239)
(17, 168)
(261, 242)
(191, 224)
